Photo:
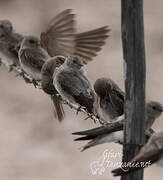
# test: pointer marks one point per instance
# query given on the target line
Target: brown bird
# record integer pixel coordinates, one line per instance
(47, 83)
(60, 38)
(32, 57)
(109, 101)
(9, 41)
(150, 153)
(71, 83)
(114, 132)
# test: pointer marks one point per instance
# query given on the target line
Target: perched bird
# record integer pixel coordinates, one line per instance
(47, 83)
(72, 84)
(9, 41)
(60, 38)
(114, 132)
(109, 101)
(32, 57)
(150, 153)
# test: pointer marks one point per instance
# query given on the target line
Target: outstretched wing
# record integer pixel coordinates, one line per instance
(89, 43)
(59, 37)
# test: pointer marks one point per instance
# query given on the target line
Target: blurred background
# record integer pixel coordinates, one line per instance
(33, 145)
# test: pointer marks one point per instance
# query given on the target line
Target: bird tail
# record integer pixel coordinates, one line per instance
(58, 108)
(92, 143)
(90, 42)
(95, 140)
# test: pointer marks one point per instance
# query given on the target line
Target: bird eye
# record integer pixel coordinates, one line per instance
(154, 107)
(61, 60)
(74, 60)
(32, 41)
(2, 36)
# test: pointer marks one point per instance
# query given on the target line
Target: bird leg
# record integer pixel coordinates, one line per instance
(20, 72)
(81, 108)
(10, 66)
(34, 83)
(60, 97)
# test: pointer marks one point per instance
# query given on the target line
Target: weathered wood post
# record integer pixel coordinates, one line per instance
(135, 73)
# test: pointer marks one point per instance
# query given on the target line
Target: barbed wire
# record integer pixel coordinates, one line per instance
(37, 84)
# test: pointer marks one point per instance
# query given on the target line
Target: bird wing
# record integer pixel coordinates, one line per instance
(90, 42)
(115, 97)
(77, 85)
(33, 58)
(73, 83)
(117, 126)
(151, 152)
(59, 37)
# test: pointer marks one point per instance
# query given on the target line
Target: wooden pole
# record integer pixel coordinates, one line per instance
(135, 72)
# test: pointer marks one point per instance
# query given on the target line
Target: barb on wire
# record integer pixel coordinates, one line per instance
(37, 84)
(19, 72)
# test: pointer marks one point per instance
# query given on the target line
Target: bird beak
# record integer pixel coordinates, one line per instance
(161, 108)
(9, 30)
(38, 43)
(82, 63)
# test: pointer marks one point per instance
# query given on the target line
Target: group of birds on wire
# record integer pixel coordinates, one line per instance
(54, 62)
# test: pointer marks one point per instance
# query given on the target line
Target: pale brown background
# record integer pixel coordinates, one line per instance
(34, 146)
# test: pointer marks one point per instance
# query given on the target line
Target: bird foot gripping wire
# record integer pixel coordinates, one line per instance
(20, 72)
(10, 66)
(37, 84)
(26, 77)
(79, 108)
(60, 97)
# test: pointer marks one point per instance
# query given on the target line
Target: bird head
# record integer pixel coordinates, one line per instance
(47, 72)
(30, 42)
(52, 63)
(154, 109)
(6, 26)
(5, 29)
(59, 60)
(74, 62)
(102, 86)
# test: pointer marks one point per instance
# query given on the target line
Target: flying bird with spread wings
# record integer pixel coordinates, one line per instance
(61, 38)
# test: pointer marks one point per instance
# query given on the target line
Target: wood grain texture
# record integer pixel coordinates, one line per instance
(135, 77)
